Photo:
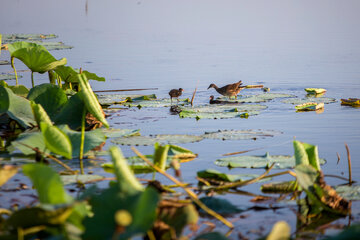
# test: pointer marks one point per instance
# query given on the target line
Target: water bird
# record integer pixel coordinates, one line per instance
(175, 93)
(228, 90)
(214, 101)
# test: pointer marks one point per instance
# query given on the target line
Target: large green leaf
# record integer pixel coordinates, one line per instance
(40, 114)
(34, 56)
(47, 183)
(56, 140)
(306, 154)
(71, 113)
(126, 180)
(91, 102)
(139, 209)
(241, 134)
(69, 74)
(161, 138)
(32, 139)
(220, 205)
(18, 108)
(213, 174)
(160, 155)
(349, 192)
(51, 97)
(265, 161)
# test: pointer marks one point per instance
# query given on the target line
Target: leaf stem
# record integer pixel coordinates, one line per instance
(192, 195)
(349, 162)
(32, 79)
(13, 66)
(82, 141)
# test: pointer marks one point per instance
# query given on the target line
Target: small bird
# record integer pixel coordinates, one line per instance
(213, 101)
(175, 93)
(228, 90)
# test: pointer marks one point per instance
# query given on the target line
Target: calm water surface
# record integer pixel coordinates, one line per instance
(285, 45)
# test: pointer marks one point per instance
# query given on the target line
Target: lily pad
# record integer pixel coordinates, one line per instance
(315, 90)
(354, 102)
(219, 176)
(52, 45)
(10, 38)
(162, 139)
(109, 99)
(298, 101)
(4, 62)
(117, 133)
(263, 97)
(6, 76)
(265, 161)
(240, 134)
(221, 111)
(349, 192)
(72, 179)
(155, 103)
(220, 205)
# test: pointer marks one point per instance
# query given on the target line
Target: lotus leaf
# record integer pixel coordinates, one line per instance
(309, 106)
(220, 205)
(219, 176)
(9, 38)
(160, 155)
(71, 113)
(109, 99)
(281, 161)
(306, 154)
(73, 179)
(263, 97)
(8, 76)
(117, 133)
(50, 97)
(32, 139)
(4, 62)
(91, 102)
(155, 103)
(69, 74)
(35, 57)
(56, 140)
(315, 90)
(141, 207)
(151, 140)
(298, 101)
(40, 114)
(52, 45)
(354, 102)
(349, 192)
(240, 134)
(16, 107)
(47, 183)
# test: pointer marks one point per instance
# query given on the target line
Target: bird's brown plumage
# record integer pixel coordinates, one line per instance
(175, 93)
(229, 90)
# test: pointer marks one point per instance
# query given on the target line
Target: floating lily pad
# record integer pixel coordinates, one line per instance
(162, 139)
(5, 76)
(156, 103)
(315, 90)
(219, 176)
(298, 101)
(53, 45)
(220, 205)
(354, 102)
(71, 179)
(221, 111)
(265, 161)
(4, 62)
(10, 38)
(263, 97)
(109, 99)
(309, 106)
(349, 192)
(240, 134)
(116, 133)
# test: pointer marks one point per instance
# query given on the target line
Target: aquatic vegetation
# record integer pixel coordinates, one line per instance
(309, 106)
(258, 98)
(315, 90)
(160, 138)
(354, 102)
(8, 76)
(240, 134)
(298, 101)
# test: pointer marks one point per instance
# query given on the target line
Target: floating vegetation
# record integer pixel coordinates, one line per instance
(354, 102)
(240, 134)
(156, 103)
(315, 90)
(118, 133)
(214, 175)
(309, 106)
(10, 38)
(265, 161)
(349, 192)
(221, 111)
(110, 99)
(298, 101)
(161, 138)
(4, 62)
(7, 76)
(263, 97)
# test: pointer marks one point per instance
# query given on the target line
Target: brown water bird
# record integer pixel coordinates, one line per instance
(213, 101)
(228, 90)
(175, 93)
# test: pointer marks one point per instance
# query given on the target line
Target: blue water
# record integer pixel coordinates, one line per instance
(284, 45)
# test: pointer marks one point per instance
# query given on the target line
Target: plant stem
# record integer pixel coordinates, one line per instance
(349, 162)
(82, 141)
(32, 78)
(192, 195)
(13, 66)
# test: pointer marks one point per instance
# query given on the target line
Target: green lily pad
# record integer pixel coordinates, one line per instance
(156, 103)
(221, 111)
(72, 179)
(116, 133)
(220, 205)
(52, 45)
(162, 139)
(219, 176)
(16, 107)
(10, 38)
(263, 97)
(298, 101)
(240, 134)
(5, 76)
(109, 99)
(349, 192)
(265, 161)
